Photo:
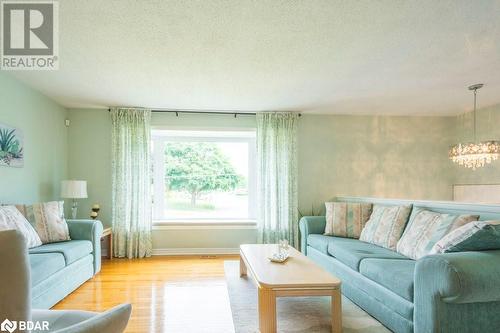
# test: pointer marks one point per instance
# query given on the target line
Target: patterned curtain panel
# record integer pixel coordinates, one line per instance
(131, 179)
(277, 177)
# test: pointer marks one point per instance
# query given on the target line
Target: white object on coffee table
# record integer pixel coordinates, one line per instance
(279, 257)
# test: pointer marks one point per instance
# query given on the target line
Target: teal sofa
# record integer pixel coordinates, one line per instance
(452, 292)
(57, 269)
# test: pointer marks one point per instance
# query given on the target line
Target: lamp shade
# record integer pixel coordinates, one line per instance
(74, 189)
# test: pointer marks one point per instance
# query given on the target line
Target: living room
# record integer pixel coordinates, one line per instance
(156, 157)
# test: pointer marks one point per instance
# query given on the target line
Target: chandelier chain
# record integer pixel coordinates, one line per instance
(475, 115)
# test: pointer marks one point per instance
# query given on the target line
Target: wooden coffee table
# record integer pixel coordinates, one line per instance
(298, 276)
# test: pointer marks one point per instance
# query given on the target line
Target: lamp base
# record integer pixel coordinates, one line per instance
(74, 209)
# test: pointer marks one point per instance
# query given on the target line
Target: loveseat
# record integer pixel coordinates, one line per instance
(451, 292)
(57, 269)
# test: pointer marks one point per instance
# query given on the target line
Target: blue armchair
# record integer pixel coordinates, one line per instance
(15, 296)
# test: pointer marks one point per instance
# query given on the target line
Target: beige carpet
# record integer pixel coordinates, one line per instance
(295, 314)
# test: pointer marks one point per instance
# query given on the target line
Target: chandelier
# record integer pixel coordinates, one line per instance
(475, 154)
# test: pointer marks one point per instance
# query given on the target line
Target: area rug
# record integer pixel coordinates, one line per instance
(295, 314)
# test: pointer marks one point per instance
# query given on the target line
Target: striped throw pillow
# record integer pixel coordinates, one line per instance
(426, 228)
(346, 219)
(386, 225)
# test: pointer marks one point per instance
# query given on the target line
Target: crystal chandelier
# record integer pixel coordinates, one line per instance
(475, 154)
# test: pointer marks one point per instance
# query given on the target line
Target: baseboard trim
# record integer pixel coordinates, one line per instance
(207, 226)
(194, 251)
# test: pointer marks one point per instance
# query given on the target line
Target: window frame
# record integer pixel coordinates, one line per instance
(159, 187)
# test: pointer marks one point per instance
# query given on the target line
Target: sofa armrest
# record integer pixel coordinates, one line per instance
(88, 230)
(310, 225)
(461, 277)
(446, 283)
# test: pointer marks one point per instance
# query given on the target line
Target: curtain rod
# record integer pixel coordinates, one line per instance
(235, 113)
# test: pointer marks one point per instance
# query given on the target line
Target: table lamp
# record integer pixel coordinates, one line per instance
(74, 189)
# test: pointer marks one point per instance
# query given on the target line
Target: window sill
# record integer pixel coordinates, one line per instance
(203, 224)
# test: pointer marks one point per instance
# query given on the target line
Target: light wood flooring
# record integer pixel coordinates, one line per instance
(168, 294)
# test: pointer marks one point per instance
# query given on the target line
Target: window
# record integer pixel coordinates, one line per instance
(203, 175)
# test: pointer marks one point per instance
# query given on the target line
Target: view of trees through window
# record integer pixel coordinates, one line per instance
(203, 178)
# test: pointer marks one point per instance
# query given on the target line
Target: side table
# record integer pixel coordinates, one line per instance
(107, 233)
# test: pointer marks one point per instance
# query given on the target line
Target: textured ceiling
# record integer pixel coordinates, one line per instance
(344, 57)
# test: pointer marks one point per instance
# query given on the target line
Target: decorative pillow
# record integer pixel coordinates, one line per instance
(426, 228)
(346, 219)
(48, 220)
(20, 208)
(474, 236)
(11, 218)
(386, 225)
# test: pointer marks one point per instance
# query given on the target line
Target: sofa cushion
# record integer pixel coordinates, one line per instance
(43, 265)
(352, 251)
(394, 274)
(319, 242)
(358, 286)
(71, 250)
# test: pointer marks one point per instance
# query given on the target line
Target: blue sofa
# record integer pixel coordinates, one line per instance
(57, 269)
(452, 292)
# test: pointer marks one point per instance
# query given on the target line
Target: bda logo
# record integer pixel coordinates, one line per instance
(8, 326)
(22, 325)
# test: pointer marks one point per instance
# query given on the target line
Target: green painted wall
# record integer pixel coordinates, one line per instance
(45, 144)
(392, 157)
(488, 128)
(89, 158)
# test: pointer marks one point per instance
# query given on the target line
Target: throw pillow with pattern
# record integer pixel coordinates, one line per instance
(11, 218)
(474, 236)
(426, 228)
(386, 225)
(346, 219)
(48, 220)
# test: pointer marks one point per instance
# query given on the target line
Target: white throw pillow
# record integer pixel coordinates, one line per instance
(48, 220)
(11, 218)
(426, 228)
(474, 236)
(386, 225)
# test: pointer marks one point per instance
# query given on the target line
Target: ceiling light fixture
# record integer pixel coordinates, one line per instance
(475, 154)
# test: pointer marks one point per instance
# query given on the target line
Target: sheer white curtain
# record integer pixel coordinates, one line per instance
(277, 177)
(131, 182)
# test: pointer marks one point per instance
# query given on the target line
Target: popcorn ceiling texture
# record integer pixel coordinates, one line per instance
(325, 56)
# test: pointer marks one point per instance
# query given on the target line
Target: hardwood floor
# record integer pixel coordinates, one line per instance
(168, 294)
